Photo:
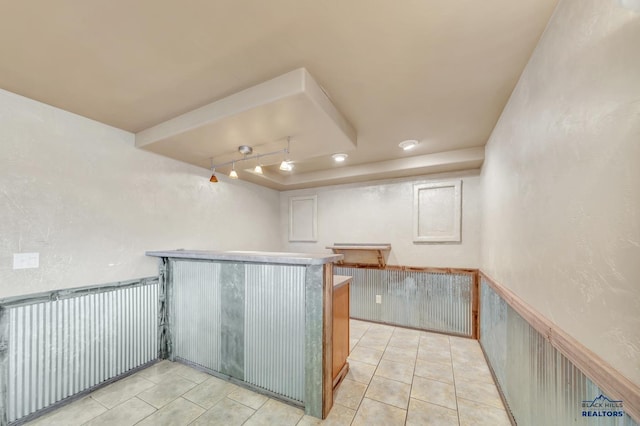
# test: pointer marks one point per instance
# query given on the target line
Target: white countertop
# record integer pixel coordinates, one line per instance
(251, 256)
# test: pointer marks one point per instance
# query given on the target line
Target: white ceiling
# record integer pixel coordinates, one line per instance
(439, 71)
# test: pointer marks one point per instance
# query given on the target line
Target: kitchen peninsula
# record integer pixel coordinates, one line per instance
(260, 319)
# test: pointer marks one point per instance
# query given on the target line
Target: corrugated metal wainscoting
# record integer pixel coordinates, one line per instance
(540, 385)
(76, 340)
(245, 321)
(196, 313)
(426, 300)
(274, 329)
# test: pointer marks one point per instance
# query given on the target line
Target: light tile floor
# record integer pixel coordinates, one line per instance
(397, 377)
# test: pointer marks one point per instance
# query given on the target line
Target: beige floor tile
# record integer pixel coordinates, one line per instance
(381, 328)
(249, 398)
(358, 323)
(472, 372)
(406, 335)
(357, 332)
(395, 370)
(171, 387)
(407, 332)
(432, 354)
(389, 391)
(434, 392)
(275, 413)
(434, 340)
(226, 412)
(76, 413)
(468, 358)
(353, 343)
(410, 343)
(208, 393)
(377, 413)
(463, 344)
(192, 374)
(374, 342)
(403, 356)
(338, 416)
(366, 355)
(475, 414)
(358, 326)
(379, 333)
(484, 393)
(128, 413)
(307, 420)
(160, 370)
(349, 394)
(425, 414)
(118, 392)
(439, 371)
(360, 371)
(177, 413)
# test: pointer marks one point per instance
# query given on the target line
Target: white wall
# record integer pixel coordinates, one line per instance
(381, 212)
(91, 204)
(560, 183)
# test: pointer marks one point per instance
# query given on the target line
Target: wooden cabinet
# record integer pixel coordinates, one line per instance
(341, 289)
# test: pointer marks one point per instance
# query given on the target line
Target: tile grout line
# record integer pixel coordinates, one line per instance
(413, 376)
(372, 376)
(483, 404)
(455, 388)
(365, 390)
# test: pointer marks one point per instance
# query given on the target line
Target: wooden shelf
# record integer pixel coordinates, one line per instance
(362, 254)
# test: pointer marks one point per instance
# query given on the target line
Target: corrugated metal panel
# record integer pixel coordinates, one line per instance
(274, 329)
(196, 313)
(425, 300)
(541, 386)
(62, 347)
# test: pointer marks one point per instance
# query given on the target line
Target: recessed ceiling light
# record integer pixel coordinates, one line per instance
(339, 158)
(408, 144)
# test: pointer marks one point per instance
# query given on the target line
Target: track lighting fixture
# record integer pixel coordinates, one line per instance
(258, 169)
(246, 150)
(233, 174)
(286, 165)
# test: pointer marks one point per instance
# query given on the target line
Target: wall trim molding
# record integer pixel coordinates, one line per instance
(437, 270)
(593, 366)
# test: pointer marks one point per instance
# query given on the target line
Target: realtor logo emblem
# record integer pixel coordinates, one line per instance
(601, 406)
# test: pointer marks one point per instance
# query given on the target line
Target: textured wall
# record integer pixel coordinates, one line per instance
(382, 212)
(81, 195)
(561, 201)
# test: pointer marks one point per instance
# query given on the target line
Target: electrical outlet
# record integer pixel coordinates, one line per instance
(26, 260)
(378, 298)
